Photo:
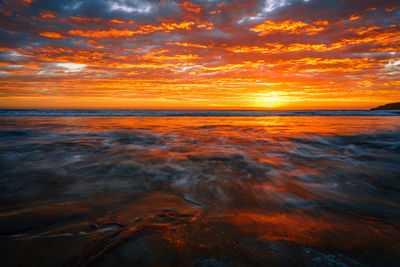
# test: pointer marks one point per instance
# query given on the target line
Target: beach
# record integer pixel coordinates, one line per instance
(235, 188)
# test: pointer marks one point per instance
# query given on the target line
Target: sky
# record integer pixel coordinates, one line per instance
(199, 54)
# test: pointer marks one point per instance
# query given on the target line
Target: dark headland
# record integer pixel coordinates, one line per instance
(391, 106)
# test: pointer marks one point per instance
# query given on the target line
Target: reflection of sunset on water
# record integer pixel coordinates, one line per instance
(202, 190)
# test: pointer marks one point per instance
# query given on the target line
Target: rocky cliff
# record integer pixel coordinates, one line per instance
(391, 106)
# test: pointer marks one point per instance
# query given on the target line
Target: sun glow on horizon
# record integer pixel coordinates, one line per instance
(270, 100)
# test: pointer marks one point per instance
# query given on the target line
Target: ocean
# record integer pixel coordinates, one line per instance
(199, 188)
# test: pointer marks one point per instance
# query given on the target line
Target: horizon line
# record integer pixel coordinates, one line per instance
(183, 109)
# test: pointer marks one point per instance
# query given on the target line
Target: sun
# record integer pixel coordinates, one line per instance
(270, 100)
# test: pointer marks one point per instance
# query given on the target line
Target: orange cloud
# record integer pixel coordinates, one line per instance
(391, 9)
(229, 67)
(354, 17)
(189, 6)
(142, 29)
(391, 35)
(390, 49)
(47, 15)
(279, 48)
(333, 64)
(52, 35)
(111, 33)
(369, 35)
(188, 45)
(321, 22)
(363, 30)
(287, 26)
(160, 56)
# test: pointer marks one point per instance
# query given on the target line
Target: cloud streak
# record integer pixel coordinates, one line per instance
(199, 54)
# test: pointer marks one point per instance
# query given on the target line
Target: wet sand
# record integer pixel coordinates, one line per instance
(216, 191)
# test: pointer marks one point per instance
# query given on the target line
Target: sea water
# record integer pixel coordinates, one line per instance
(199, 188)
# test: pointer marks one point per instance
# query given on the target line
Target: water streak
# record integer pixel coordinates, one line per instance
(200, 191)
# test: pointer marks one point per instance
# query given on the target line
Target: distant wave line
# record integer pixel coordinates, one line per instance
(187, 113)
